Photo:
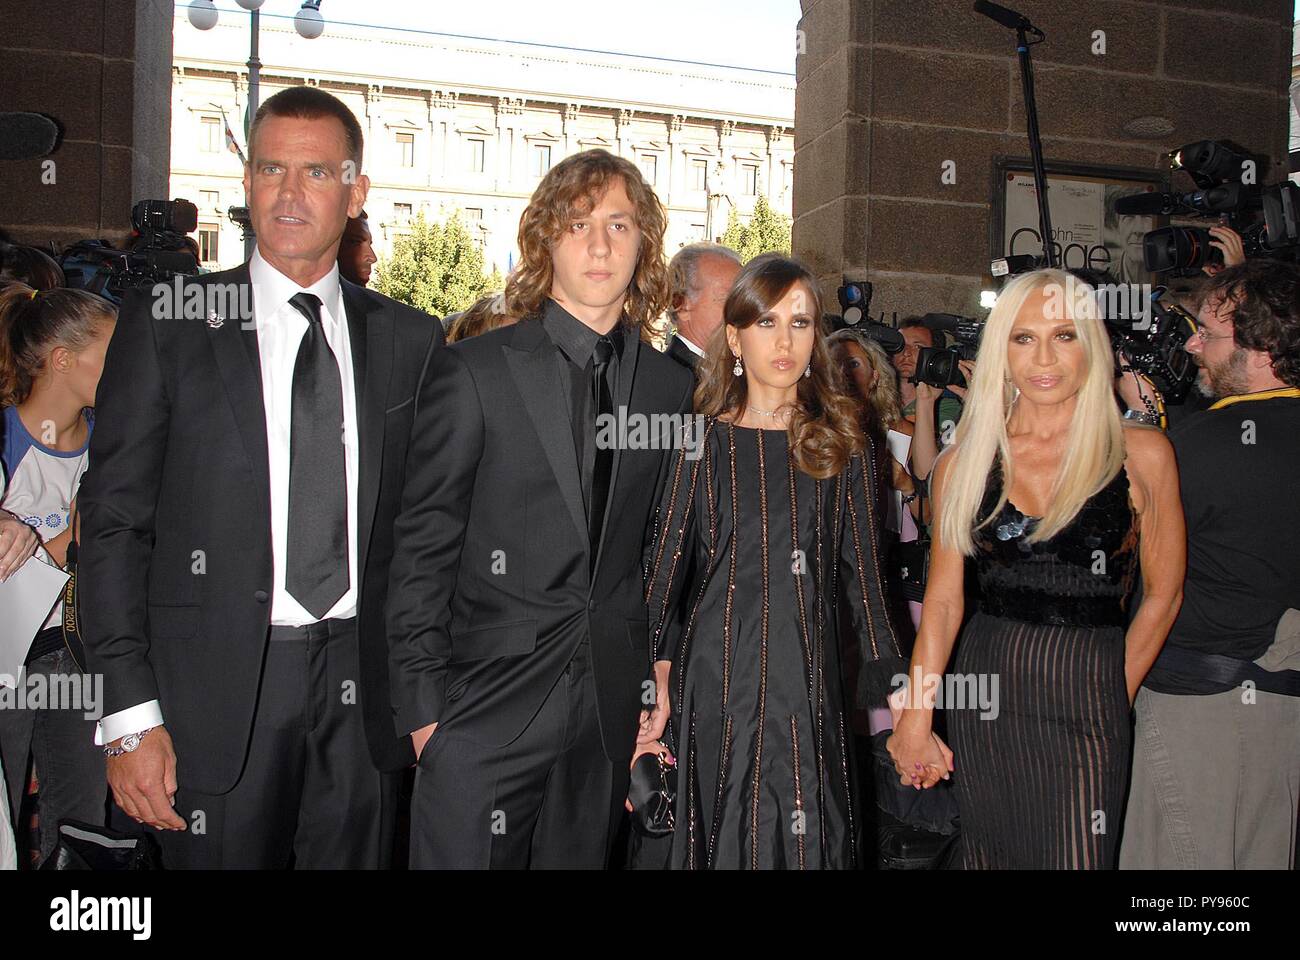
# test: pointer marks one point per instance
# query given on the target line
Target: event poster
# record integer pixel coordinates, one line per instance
(1087, 232)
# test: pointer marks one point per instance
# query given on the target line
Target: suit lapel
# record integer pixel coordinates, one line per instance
(371, 340)
(234, 344)
(531, 360)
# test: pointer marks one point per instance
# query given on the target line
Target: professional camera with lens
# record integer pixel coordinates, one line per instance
(938, 366)
(1155, 345)
(1267, 218)
(159, 251)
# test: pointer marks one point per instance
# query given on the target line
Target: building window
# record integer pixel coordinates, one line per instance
(473, 214)
(697, 232)
(402, 212)
(477, 148)
(541, 159)
(749, 178)
(650, 167)
(209, 233)
(210, 199)
(699, 174)
(212, 137)
(406, 148)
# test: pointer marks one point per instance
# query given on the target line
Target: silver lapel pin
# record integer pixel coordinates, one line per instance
(215, 320)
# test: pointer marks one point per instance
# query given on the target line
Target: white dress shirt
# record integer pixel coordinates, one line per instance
(280, 329)
(689, 345)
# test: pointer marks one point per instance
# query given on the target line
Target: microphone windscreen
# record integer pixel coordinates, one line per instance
(1145, 205)
(25, 136)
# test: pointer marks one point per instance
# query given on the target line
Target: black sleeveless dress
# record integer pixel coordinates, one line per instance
(1041, 777)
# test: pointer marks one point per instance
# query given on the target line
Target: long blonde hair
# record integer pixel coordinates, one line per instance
(1094, 451)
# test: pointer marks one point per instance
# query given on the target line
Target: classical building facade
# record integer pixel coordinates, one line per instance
(471, 125)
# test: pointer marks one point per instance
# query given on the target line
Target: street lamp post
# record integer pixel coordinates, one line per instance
(308, 22)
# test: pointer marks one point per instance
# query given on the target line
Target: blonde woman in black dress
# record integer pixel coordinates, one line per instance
(1061, 506)
(766, 551)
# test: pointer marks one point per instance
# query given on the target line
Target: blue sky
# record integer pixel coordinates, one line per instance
(742, 33)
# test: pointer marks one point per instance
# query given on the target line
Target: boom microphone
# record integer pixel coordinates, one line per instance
(1008, 18)
(26, 136)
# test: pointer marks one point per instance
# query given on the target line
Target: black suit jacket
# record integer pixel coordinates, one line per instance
(178, 465)
(683, 354)
(491, 593)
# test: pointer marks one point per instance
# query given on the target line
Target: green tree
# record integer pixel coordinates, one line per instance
(437, 268)
(767, 231)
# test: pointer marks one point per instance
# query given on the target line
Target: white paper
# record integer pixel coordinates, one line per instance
(899, 444)
(26, 600)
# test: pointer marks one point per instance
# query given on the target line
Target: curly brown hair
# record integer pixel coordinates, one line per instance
(571, 189)
(1266, 297)
(824, 431)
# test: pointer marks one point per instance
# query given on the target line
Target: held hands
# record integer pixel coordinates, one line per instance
(920, 757)
(144, 781)
(17, 542)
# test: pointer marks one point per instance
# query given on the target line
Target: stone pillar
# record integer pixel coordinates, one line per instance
(102, 70)
(888, 90)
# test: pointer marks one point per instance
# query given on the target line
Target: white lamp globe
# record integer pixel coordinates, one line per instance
(203, 14)
(250, 4)
(309, 23)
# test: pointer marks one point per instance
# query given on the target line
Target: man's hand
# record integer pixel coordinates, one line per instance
(967, 368)
(1227, 241)
(144, 781)
(654, 721)
(420, 737)
(17, 542)
(926, 394)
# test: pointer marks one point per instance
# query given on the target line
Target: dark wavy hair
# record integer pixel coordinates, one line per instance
(824, 431)
(29, 265)
(310, 103)
(1266, 297)
(571, 189)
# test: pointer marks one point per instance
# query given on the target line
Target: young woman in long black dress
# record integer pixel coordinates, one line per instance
(1061, 507)
(766, 550)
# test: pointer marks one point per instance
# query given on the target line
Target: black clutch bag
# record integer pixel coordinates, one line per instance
(83, 846)
(652, 792)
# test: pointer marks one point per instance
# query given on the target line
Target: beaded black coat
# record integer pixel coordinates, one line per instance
(763, 581)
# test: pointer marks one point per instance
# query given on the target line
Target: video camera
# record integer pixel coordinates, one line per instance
(1224, 177)
(855, 314)
(158, 252)
(938, 366)
(1153, 343)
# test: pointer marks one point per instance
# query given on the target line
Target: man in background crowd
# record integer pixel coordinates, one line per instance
(701, 275)
(356, 251)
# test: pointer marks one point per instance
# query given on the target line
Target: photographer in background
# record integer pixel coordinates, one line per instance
(1216, 770)
(933, 411)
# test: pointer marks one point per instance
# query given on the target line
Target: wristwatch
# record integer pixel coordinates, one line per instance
(130, 743)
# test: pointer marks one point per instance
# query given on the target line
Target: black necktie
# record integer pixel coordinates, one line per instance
(602, 403)
(316, 561)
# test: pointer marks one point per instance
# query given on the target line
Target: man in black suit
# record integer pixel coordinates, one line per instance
(250, 437)
(701, 275)
(517, 618)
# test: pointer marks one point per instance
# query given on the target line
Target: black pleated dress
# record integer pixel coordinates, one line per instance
(758, 570)
(1042, 784)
